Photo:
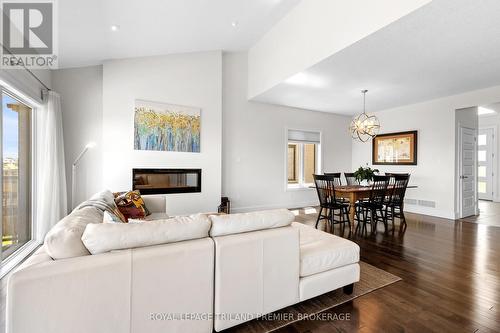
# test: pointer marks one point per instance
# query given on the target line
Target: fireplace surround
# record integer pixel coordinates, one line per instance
(164, 181)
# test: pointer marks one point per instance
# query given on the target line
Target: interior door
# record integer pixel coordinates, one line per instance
(468, 171)
(485, 164)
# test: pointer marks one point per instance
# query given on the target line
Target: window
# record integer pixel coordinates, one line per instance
(15, 180)
(481, 171)
(481, 140)
(303, 158)
(481, 187)
(481, 155)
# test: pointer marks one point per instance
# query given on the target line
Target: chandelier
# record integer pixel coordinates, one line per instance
(364, 127)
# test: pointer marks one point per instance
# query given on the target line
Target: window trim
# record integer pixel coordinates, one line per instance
(319, 160)
(26, 249)
(295, 156)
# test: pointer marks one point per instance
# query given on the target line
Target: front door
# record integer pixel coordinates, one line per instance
(485, 164)
(468, 171)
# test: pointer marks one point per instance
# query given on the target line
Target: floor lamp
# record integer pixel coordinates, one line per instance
(89, 145)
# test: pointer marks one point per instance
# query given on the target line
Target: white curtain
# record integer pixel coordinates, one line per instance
(51, 199)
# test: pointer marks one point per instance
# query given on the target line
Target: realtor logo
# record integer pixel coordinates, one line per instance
(28, 34)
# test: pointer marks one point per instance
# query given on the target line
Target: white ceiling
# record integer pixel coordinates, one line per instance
(444, 48)
(495, 107)
(155, 27)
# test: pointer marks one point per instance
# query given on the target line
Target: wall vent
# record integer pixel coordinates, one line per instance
(411, 201)
(427, 203)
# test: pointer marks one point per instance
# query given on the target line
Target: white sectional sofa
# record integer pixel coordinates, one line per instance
(244, 266)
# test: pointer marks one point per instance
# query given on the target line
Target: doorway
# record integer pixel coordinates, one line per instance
(467, 171)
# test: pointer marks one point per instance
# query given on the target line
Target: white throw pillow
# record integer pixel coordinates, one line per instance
(105, 237)
(64, 240)
(245, 222)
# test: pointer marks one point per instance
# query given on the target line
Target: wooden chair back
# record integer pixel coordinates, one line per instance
(337, 177)
(325, 186)
(399, 189)
(350, 179)
(378, 192)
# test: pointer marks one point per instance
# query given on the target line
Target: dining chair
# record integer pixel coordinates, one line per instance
(395, 205)
(325, 186)
(350, 179)
(392, 174)
(337, 176)
(372, 210)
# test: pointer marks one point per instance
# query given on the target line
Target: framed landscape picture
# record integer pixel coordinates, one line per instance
(395, 149)
(166, 127)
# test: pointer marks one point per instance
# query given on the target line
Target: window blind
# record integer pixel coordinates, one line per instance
(304, 136)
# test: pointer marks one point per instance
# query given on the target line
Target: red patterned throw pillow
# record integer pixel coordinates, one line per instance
(131, 205)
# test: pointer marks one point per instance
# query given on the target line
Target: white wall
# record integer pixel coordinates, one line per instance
(81, 104)
(314, 30)
(185, 79)
(254, 144)
(435, 172)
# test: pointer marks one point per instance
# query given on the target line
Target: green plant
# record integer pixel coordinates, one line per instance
(365, 173)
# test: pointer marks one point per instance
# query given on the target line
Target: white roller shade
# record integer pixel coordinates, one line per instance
(304, 136)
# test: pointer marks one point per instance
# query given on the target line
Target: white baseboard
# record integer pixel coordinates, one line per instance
(408, 208)
(274, 206)
(430, 211)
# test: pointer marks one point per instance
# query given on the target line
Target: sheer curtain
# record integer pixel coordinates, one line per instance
(51, 199)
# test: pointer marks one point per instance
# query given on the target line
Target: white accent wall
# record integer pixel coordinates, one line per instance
(254, 144)
(193, 79)
(435, 173)
(81, 104)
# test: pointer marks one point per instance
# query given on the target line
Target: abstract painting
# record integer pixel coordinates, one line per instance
(395, 148)
(166, 127)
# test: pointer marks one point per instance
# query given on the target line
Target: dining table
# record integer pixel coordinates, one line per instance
(355, 193)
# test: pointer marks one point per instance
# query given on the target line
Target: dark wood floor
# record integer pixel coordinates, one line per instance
(451, 279)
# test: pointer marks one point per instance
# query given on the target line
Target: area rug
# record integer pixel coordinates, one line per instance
(371, 278)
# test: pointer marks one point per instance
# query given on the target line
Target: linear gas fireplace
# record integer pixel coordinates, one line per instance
(162, 181)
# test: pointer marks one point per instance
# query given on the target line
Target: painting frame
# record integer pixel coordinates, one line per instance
(412, 148)
(166, 127)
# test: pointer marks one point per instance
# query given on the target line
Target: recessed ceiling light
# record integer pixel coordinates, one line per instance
(482, 111)
(234, 24)
(115, 27)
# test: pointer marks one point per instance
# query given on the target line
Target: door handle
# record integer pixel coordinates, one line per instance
(463, 177)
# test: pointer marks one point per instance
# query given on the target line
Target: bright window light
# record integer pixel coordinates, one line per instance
(306, 80)
(482, 111)
(310, 210)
